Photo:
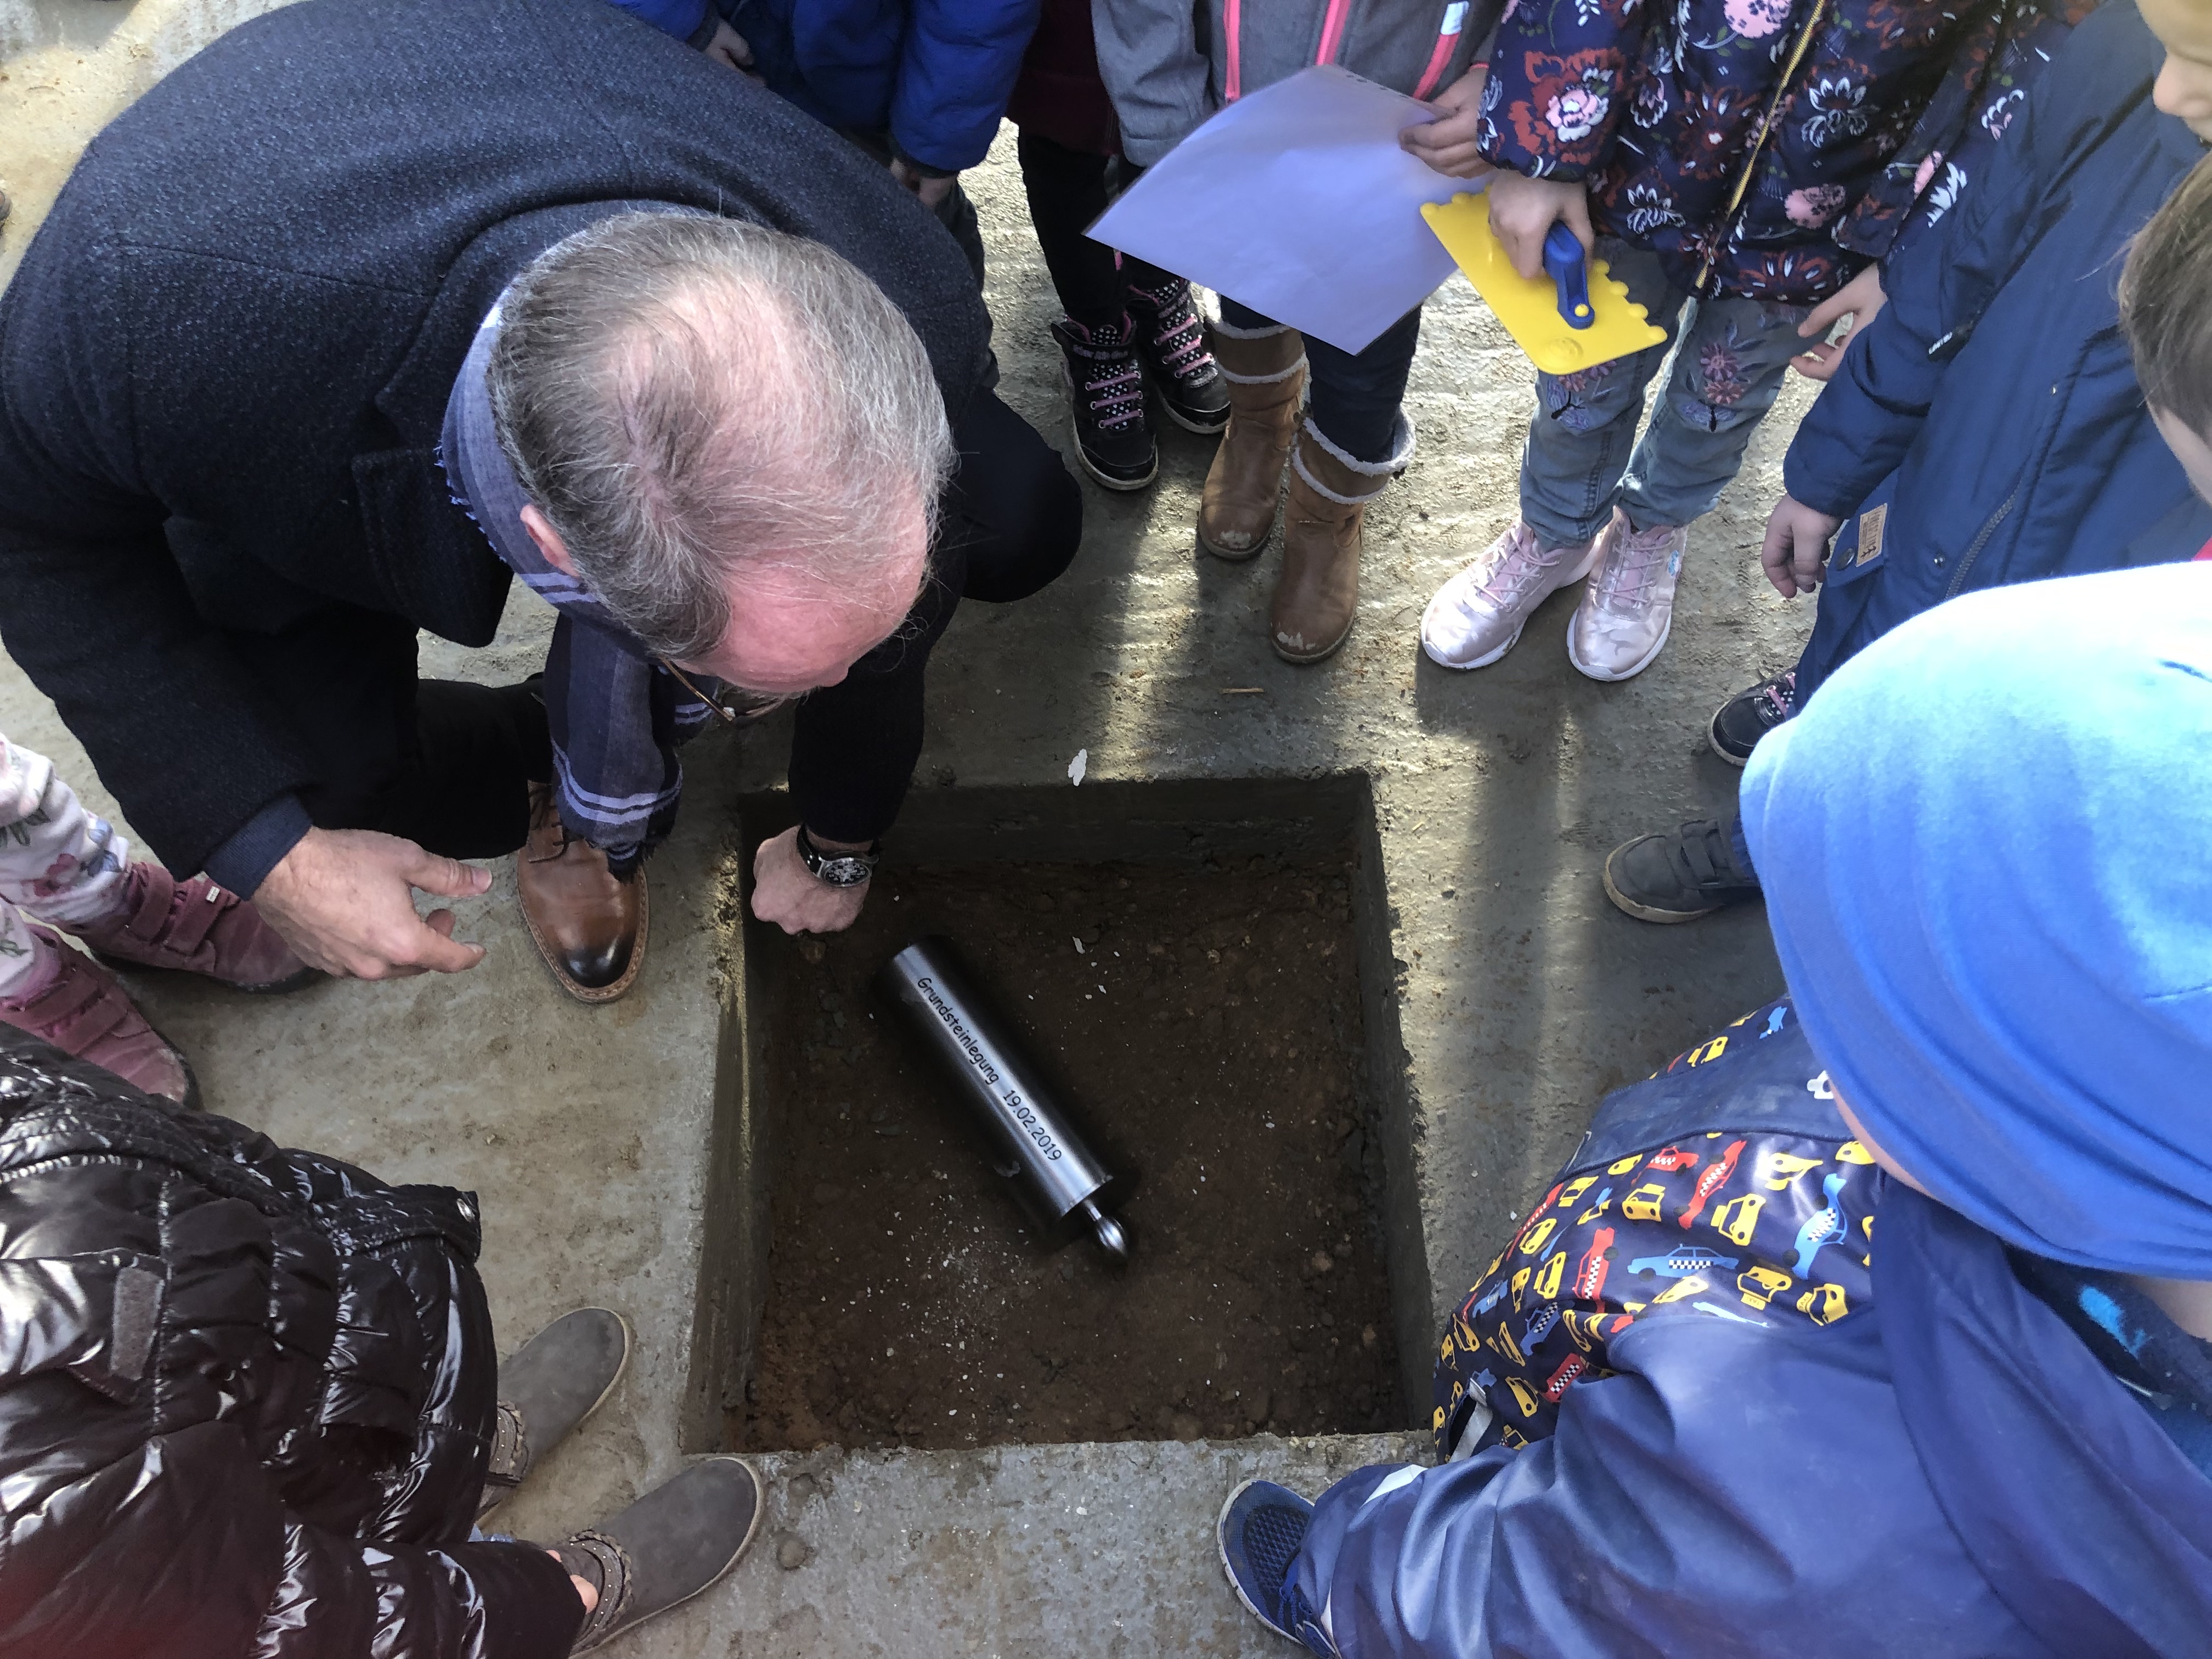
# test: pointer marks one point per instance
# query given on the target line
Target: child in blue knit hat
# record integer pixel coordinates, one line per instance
(1928, 1380)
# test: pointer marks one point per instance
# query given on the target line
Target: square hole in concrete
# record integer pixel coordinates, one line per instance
(1215, 1028)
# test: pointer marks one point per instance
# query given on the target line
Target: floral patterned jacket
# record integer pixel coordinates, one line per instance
(1660, 105)
(1997, 64)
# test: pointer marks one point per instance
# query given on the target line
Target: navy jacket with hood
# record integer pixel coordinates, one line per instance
(1996, 386)
(1948, 1474)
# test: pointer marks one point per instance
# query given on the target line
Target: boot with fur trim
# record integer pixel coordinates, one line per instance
(1266, 372)
(1318, 594)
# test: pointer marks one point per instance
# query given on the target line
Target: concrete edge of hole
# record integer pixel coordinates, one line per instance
(1168, 822)
(1391, 1106)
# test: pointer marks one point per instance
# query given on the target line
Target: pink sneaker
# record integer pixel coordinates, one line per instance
(195, 927)
(84, 1011)
(1628, 609)
(1477, 617)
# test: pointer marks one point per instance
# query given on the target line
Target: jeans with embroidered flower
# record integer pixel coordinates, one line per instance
(1583, 458)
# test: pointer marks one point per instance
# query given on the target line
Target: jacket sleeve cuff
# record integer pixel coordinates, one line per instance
(1822, 492)
(243, 862)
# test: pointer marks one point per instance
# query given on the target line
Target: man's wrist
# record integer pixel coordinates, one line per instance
(243, 862)
(837, 864)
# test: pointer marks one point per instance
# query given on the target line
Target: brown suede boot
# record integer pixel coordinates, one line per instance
(1318, 594)
(1266, 372)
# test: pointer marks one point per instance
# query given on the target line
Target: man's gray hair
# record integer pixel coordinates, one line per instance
(687, 398)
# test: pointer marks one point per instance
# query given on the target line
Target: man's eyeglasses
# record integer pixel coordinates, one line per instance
(735, 706)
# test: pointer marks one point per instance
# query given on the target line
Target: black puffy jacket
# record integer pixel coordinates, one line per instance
(245, 1396)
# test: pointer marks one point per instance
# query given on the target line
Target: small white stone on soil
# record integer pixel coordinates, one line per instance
(1077, 766)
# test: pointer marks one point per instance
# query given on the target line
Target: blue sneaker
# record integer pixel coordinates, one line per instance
(1261, 1529)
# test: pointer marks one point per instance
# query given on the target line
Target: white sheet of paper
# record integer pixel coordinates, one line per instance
(1297, 201)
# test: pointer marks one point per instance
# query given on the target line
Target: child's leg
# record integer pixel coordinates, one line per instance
(1264, 362)
(1583, 431)
(1727, 376)
(1356, 438)
(1066, 191)
(1357, 396)
(57, 861)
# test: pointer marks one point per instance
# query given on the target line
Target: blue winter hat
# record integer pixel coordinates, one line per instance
(1986, 847)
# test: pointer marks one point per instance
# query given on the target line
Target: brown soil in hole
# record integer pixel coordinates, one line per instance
(1209, 1028)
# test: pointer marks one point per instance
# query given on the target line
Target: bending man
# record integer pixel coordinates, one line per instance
(534, 290)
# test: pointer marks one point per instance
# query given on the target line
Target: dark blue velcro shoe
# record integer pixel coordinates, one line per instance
(1262, 1527)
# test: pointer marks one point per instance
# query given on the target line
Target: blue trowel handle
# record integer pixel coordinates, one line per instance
(1564, 260)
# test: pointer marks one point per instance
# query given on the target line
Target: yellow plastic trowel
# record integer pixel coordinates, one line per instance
(1573, 316)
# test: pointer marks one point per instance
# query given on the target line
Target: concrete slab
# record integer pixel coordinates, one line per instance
(1521, 994)
(1015, 1553)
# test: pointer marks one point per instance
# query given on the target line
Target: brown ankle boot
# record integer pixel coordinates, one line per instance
(1318, 594)
(1265, 373)
(589, 926)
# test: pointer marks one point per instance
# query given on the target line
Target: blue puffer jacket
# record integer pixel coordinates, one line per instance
(934, 75)
(1995, 384)
(1949, 1473)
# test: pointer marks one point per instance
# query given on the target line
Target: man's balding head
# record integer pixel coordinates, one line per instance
(724, 427)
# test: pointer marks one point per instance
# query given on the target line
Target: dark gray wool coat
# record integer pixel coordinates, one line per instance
(225, 358)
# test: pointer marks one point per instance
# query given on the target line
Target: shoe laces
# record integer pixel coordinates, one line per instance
(546, 815)
(1780, 694)
(1626, 580)
(1178, 337)
(1111, 383)
(1516, 566)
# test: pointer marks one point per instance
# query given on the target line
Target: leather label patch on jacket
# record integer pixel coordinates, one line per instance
(1871, 524)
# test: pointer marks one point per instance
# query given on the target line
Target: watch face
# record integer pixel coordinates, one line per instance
(844, 872)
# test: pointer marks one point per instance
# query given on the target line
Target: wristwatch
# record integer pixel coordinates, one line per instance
(838, 869)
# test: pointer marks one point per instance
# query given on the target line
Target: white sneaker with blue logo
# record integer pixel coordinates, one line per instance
(1627, 609)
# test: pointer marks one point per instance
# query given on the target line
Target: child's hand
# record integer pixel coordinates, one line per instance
(1447, 144)
(1860, 299)
(732, 50)
(1523, 210)
(1797, 547)
(931, 191)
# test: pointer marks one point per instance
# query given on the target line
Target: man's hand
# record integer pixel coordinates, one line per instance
(729, 47)
(1860, 299)
(344, 899)
(1523, 210)
(1797, 547)
(932, 191)
(1447, 144)
(789, 894)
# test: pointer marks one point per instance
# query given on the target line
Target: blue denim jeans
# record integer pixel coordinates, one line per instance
(1582, 458)
(1356, 396)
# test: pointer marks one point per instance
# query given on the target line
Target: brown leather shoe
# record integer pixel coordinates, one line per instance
(1317, 595)
(1266, 374)
(589, 927)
